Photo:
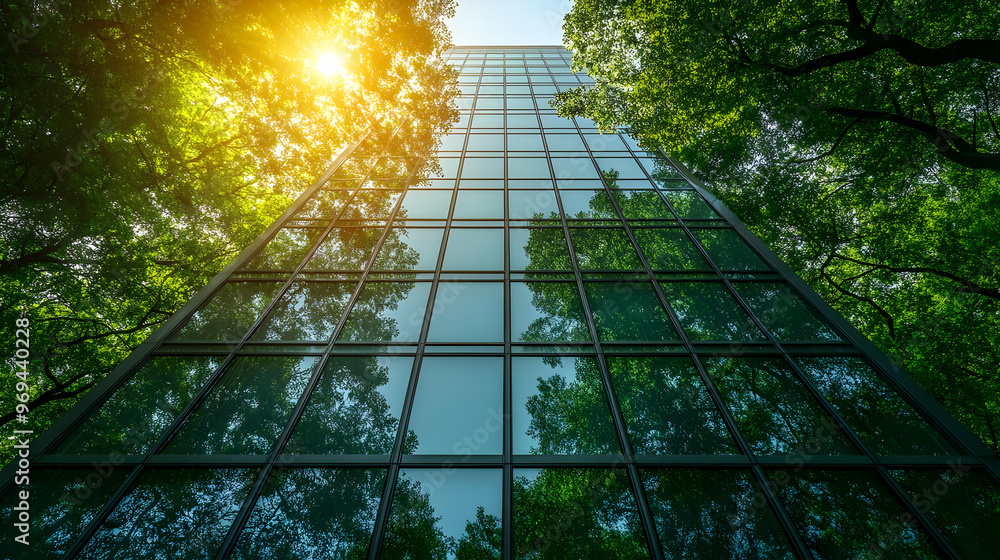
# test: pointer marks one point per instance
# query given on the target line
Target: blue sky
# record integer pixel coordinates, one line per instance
(509, 22)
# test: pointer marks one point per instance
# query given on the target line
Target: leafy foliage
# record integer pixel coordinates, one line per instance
(145, 145)
(857, 139)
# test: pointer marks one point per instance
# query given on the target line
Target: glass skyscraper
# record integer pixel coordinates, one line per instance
(542, 343)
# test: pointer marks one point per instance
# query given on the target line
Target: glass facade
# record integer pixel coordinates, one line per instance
(552, 345)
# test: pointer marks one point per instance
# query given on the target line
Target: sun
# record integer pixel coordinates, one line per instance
(329, 64)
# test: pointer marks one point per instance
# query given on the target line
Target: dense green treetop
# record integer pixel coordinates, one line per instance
(859, 140)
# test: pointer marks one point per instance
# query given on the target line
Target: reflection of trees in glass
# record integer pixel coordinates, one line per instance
(709, 513)
(230, 311)
(412, 531)
(355, 408)
(847, 513)
(667, 408)
(885, 422)
(61, 503)
(135, 416)
(180, 514)
(773, 409)
(583, 514)
(570, 411)
(307, 311)
(248, 408)
(313, 513)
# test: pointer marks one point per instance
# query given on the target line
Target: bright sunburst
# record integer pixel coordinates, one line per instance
(329, 64)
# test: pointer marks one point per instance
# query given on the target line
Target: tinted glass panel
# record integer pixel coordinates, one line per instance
(286, 249)
(849, 514)
(963, 504)
(669, 249)
(547, 312)
(667, 408)
(427, 204)
(560, 407)
(485, 142)
(604, 249)
(388, 311)
(576, 513)
(707, 311)
(355, 408)
(313, 513)
(230, 312)
(533, 204)
(783, 313)
(527, 168)
(773, 410)
(538, 249)
(886, 423)
(454, 513)
(474, 249)
(587, 205)
(410, 249)
(347, 248)
(467, 312)
(59, 505)
(307, 311)
(642, 205)
(690, 205)
(728, 250)
(479, 205)
(172, 513)
(138, 413)
(458, 407)
(485, 168)
(248, 409)
(628, 311)
(717, 514)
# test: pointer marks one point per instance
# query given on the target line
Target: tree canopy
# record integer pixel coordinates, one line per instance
(144, 145)
(858, 139)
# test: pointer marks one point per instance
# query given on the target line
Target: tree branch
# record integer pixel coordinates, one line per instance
(967, 285)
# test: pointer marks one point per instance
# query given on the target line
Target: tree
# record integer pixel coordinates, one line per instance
(145, 145)
(857, 139)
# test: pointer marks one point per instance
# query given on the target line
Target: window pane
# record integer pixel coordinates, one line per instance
(387, 311)
(485, 142)
(484, 168)
(667, 408)
(574, 168)
(728, 250)
(717, 514)
(538, 249)
(285, 250)
(627, 168)
(886, 423)
(604, 249)
(172, 513)
(524, 142)
(588, 205)
(230, 312)
(848, 514)
(527, 168)
(628, 311)
(346, 248)
(576, 513)
(61, 502)
(604, 142)
(773, 410)
(641, 205)
(309, 513)
(560, 407)
(307, 311)
(246, 412)
(457, 408)
(138, 413)
(547, 312)
(531, 204)
(446, 514)
(410, 249)
(707, 311)
(565, 142)
(324, 204)
(474, 249)
(783, 312)
(479, 205)
(669, 249)
(467, 312)
(963, 504)
(425, 204)
(690, 205)
(355, 408)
